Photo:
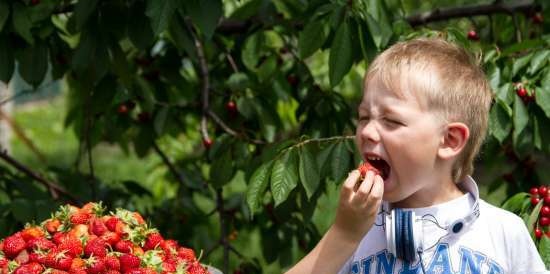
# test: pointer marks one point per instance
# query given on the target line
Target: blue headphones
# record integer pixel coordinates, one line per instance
(403, 228)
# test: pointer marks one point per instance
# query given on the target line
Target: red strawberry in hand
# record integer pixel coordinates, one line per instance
(366, 166)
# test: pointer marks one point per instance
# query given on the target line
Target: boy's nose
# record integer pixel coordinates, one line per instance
(369, 132)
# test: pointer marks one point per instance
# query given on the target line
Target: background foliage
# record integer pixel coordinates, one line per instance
(231, 120)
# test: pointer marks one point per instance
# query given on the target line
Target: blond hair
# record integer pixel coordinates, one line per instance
(446, 79)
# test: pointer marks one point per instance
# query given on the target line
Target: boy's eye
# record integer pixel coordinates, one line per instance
(391, 121)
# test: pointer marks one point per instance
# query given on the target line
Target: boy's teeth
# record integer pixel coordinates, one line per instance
(373, 158)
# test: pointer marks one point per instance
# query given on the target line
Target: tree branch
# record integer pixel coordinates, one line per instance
(468, 11)
(55, 190)
(231, 131)
(205, 79)
(178, 175)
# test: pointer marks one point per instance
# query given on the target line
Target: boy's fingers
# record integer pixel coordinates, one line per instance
(365, 188)
(377, 190)
(349, 183)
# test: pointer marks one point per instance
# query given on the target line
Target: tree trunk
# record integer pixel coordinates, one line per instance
(6, 109)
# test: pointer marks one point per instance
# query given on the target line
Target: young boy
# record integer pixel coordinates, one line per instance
(422, 120)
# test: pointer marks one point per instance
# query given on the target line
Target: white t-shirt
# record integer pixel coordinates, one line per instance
(496, 243)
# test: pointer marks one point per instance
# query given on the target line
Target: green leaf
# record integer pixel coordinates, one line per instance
(160, 120)
(533, 217)
(160, 12)
(341, 55)
(257, 186)
(494, 77)
(520, 118)
(309, 171)
(4, 13)
(322, 159)
(312, 38)
(23, 210)
(22, 23)
(537, 138)
(340, 160)
(222, 169)
(7, 62)
(542, 97)
(252, 50)
(33, 64)
(182, 38)
(515, 203)
(521, 63)
(381, 34)
(82, 12)
(544, 250)
(238, 81)
(205, 14)
(499, 122)
(140, 31)
(268, 119)
(539, 60)
(284, 177)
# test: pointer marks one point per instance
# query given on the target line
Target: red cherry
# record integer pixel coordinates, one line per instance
(522, 92)
(472, 35)
(538, 233)
(144, 117)
(547, 200)
(544, 221)
(535, 200)
(207, 143)
(543, 191)
(292, 80)
(537, 18)
(122, 109)
(545, 211)
(231, 107)
(534, 190)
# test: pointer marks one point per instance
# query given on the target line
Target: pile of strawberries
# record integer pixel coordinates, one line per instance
(538, 194)
(84, 241)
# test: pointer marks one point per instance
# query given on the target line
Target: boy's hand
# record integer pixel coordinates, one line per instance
(359, 204)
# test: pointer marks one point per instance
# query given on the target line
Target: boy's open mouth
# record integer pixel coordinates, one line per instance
(381, 165)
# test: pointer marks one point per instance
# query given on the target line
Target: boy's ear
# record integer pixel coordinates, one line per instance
(454, 139)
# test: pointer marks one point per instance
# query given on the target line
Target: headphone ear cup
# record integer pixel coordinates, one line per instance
(390, 232)
(411, 244)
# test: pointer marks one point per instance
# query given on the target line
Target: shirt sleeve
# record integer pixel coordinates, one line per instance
(524, 256)
(346, 268)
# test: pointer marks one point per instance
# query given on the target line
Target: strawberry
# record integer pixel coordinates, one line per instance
(3, 262)
(110, 271)
(366, 166)
(124, 246)
(138, 218)
(168, 267)
(79, 231)
(186, 254)
(97, 226)
(153, 240)
(129, 261)
(22, 257)
(31, 233)
(95, 247)
(95, 265)
(137, 250)
(111, 223)
(71, 245)
(111, 238)
(56, 271)
(13, 245)
(77, 264)
(135, 271)
(149, 270)
(79, 218)
(58, 237)
(112, 262)
(169, 246)
(78, 271)
(196, 268)
(30, 268)
(64, 263)
(52, 225)
(39, 243)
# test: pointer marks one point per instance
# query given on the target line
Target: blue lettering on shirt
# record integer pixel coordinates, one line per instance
(471, 262)
(441, 262)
